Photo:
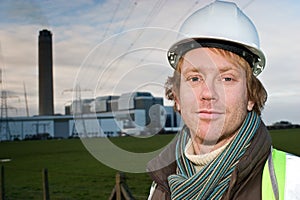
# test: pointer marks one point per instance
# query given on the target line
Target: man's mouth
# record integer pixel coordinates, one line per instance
(209, 114)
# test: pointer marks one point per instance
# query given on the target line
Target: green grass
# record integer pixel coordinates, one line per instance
(75, 174)
(287, 140)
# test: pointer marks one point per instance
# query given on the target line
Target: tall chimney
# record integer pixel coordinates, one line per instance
(46, 106)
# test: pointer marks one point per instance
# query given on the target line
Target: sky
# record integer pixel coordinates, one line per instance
(117, 46)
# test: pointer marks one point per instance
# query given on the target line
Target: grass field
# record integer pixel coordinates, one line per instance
(75, 174)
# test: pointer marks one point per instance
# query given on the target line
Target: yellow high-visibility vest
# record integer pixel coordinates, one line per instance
(273, 180)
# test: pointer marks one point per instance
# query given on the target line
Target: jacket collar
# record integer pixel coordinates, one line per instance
(164, 164)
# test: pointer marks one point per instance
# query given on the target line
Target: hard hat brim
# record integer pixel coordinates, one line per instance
(254, 56)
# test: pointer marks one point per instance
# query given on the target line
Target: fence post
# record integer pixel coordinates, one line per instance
(118, 186)
(45, 185)
(121, 190)
(2, 188)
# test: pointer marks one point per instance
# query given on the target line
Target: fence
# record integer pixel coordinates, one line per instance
(2, 189)
(119, 192)
(46, 195)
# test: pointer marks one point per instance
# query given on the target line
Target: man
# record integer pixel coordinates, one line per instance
(224, 149)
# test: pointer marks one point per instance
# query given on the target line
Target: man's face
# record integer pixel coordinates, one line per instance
(212, 98)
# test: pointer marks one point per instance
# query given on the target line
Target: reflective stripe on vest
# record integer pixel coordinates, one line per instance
(274, 181)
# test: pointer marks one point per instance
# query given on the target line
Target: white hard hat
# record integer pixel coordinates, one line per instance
(221, 25)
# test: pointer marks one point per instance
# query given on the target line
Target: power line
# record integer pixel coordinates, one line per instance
(111, 20)
(164, 36)
(152, 14)
(108, 52)
(150, 17)
(131, 10)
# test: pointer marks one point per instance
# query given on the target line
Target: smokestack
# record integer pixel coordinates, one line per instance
(46, 106)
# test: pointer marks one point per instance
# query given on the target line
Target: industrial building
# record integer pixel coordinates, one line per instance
(137, 113)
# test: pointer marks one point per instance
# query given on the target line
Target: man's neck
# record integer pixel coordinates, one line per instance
(201, 160)
(202, 147)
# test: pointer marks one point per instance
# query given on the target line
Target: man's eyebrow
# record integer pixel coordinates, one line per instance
(228, 68)
(190, 69)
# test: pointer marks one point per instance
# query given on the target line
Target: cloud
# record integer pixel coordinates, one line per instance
(80, 26)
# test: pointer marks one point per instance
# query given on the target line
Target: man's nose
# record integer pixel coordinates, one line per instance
(208, 91)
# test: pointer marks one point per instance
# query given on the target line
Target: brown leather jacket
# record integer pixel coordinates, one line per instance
(246, 179)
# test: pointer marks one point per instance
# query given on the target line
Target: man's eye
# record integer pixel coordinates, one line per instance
(227, 79)
(194, 79)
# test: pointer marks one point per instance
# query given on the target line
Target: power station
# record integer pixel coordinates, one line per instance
(136, 113)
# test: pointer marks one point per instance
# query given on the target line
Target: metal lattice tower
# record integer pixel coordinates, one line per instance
(5, 133)
(4, 125)
(78, 111)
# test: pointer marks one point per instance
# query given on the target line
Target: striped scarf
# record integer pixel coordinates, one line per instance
(212, 181)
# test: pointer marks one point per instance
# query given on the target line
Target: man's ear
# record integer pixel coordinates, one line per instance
(177, 102)
(250, 105)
